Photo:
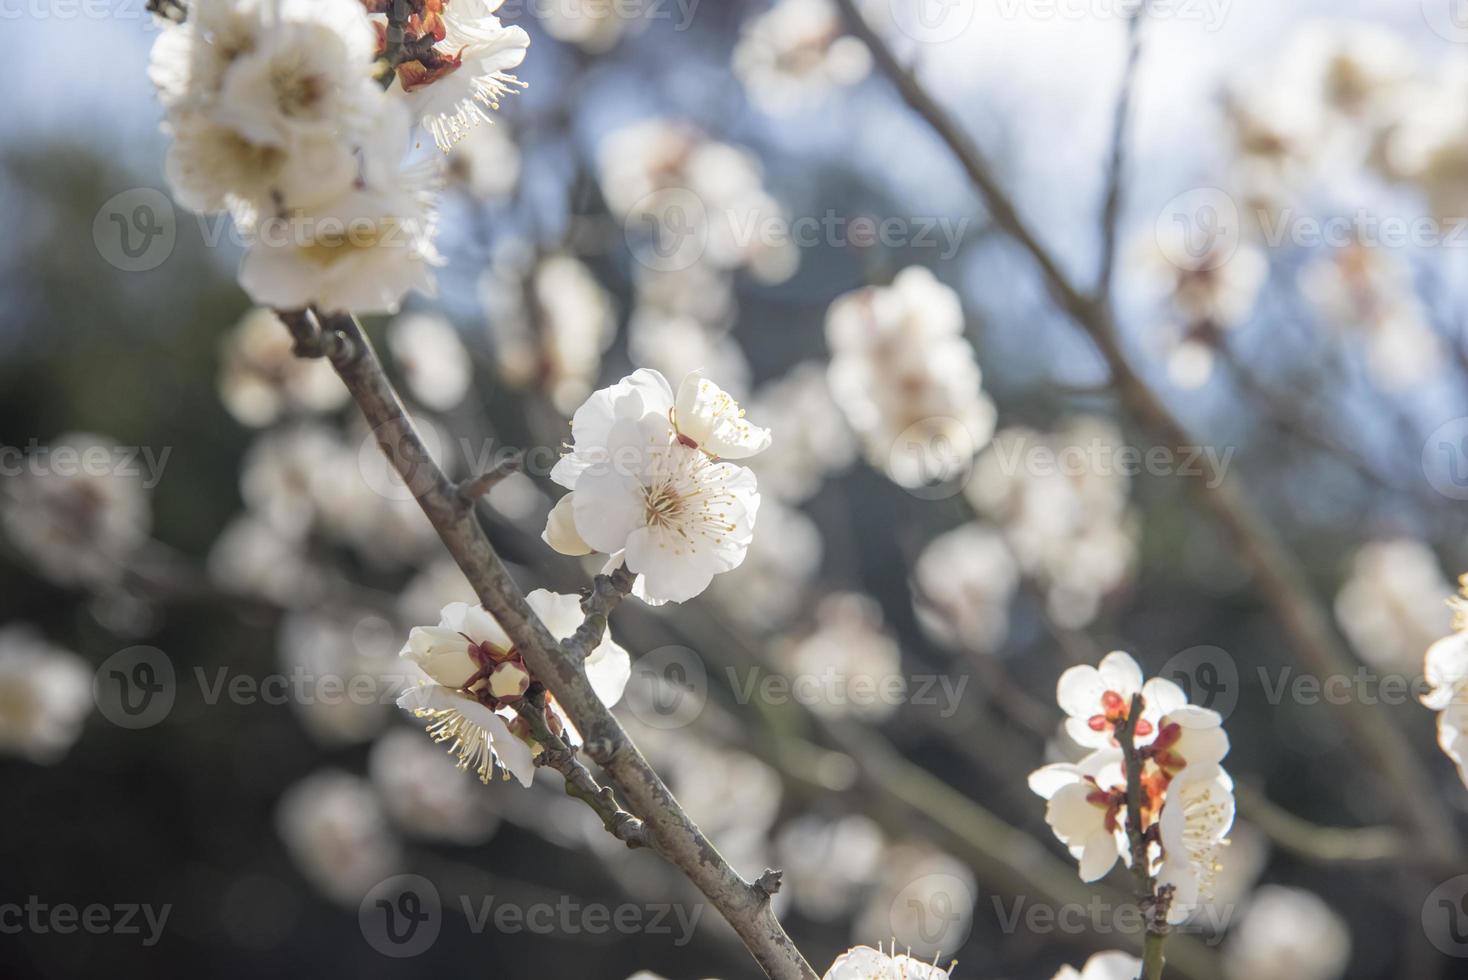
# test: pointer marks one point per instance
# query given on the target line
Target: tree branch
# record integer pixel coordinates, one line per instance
(1147, 897)
(1278, 577)
(1116, 171)
(744, 905)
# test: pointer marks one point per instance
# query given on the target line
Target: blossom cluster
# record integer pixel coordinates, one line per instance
(1446, 671)
(279, 117)
(1186, 799)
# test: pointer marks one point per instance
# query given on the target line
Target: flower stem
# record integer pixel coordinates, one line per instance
(1154, 908)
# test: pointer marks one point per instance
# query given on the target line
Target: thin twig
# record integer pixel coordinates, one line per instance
(1278, 577)
(1146, 884)
(744, 905)
(1116, 170)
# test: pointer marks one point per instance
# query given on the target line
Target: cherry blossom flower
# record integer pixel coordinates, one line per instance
(648, 487)
(1084, 804)
(1110, 965)
(865, 963)
(1446, 671)
(1394, 604)
(473, 676)
(45, 696)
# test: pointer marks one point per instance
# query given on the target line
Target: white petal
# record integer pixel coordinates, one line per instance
(560, 529)
(710, 417)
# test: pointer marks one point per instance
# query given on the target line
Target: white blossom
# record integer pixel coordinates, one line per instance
(795, 53)
(814, 438)
(1287, 934)
(827, 863)
(853, 658)
(906, 377)
(432, 358)
(424, 794)
(962, 584)
(334, 829)
(45, 696)
(76, 511)
(865, 963)
(1446, 671)
(1394, 605)
(261, 379)
(649, 493)
(1196, 819)
(1110, 965)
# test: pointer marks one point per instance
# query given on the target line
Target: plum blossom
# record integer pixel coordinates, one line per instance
(45, 696)
(1287, 934)
(472, 676)
(906, 377)
(865, 963)
(432, 357)
(795, 53)
(333, 827)
(261, 379)
(465, 71)
(1110, 965)
(649, 486)
(1394, 605)
(1446, 671)
(1186, 800)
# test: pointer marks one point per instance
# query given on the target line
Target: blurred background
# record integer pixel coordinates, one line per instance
(955, 509)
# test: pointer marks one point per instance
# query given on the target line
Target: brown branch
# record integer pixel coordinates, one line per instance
(1116, 170)
(1153, 905)
(1279, 579)
(558, 755)
(744, 905)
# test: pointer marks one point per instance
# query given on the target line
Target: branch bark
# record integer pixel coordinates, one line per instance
(745, 905)
(1279, 579)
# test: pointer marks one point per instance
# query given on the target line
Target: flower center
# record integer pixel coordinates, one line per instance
(1115, 710)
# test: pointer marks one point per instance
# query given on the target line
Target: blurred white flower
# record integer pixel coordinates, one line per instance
(1367, 294)
(865, 963)
(437, 584)
(550, 325)
(466, 71)
(595, 26)
(814, 438)
(906, 377)
(425, 796)
(851, 657)
(1287, 934)
(78, 509)
(45, 696)
(1394, 605)
(252, 556)
(261, 379)
(334, 829)
(963, 583)
(794, 54)
(709, 197)
(347, 673)
(648, 492)
(1110, 965)
(1427, 144)
(486, 163)
(1061, 501)
(828, 863)
(773, 581)
(427, 349)
(680, 325)
(923, 902)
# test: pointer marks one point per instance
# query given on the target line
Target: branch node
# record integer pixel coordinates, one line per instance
(473, 488)
(768, 884)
